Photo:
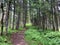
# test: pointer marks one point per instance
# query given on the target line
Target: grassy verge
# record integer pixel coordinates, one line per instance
(5, 40)
(35, 37)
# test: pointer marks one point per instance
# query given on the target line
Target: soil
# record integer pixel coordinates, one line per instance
(18, 38)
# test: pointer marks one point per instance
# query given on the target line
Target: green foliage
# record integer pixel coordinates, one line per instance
(10, 31)
(4, 40)
(28, 24)
(34, 37)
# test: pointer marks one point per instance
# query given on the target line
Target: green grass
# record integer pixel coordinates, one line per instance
(47, 37)
(5, 40)
(28, 24)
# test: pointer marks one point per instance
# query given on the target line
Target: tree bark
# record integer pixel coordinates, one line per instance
(18, 21)
(24, 12)
(13, 17)
(7, 17)
(2, 24)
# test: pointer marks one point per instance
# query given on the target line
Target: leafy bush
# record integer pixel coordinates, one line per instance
(35, 37)
(4, 40)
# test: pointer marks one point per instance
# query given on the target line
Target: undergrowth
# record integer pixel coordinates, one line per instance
(35, 37)
(6, 40)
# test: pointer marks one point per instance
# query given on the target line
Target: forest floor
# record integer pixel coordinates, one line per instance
(18, 38)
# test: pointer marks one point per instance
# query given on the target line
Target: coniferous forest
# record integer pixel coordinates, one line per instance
(29, 22)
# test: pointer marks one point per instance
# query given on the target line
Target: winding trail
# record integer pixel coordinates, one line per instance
(18, 38)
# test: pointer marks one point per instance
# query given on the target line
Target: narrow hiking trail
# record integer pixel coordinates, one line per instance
(18, 38)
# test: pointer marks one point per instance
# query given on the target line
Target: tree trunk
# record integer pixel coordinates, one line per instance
(13, 17)
(7, 17)
(24, 12)
(2, 19)
(18, 21)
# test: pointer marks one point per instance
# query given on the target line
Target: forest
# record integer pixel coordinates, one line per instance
(29, 22)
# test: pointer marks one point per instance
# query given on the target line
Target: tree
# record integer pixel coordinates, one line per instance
(24, 12)
(13, 16)
(7, 16)
(2, 23)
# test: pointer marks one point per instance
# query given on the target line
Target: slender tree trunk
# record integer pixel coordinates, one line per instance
(7, 16)
(18, 21)
(2, 19)
(25, 12)
(38, 18)
(13, 17)
(52, 10)
(30, 9)
(56, 20)
(43, 21)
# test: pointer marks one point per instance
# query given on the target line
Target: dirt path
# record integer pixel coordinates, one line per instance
(18, 38)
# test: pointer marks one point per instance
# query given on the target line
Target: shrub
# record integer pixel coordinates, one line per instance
(44, 38)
